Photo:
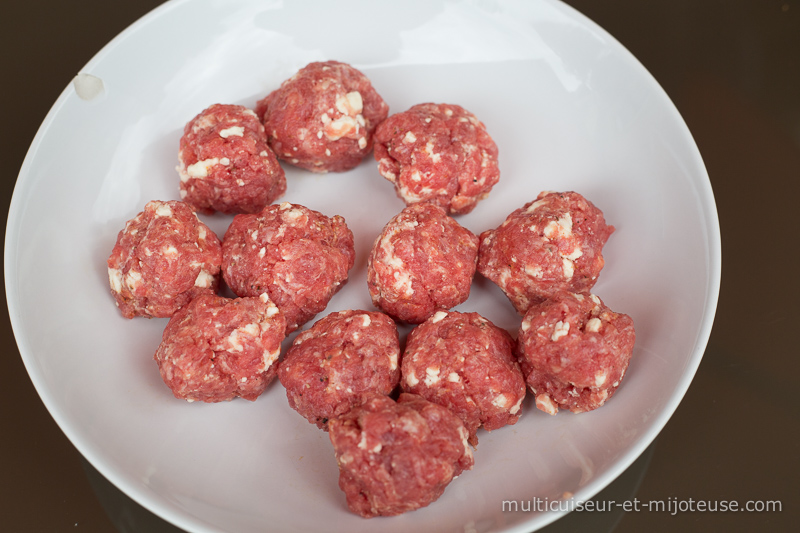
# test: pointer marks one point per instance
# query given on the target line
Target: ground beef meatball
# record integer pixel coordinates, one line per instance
(225, 164)
(439, 153)
(467, 364)
(574, 351)
(300, 257)
(322, 118)
(552, 244)
(333, 364)
(422, 261)
(163, 258)
(216, 348)
(399, 456)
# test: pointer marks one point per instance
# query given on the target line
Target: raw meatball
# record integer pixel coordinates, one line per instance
(552, 244)
(298, 256)
(398, 457)
(574, 351)
(162, 259)
(322, 118)
(467, 364)
(439, 153)
(225, 163)
(334, 363)
(216, 349)
(422, 261)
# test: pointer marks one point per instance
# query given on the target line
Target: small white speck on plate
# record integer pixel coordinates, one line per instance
(88, 87)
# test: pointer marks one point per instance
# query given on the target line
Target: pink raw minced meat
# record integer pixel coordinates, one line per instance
(225, 163)
(322, 119)
(216, 349)
(163, 259)
(344, 356)
(422, 261)
(574, 351)
(298, 256)
(552, 244)
(467, 364)
(438, 153)
(399, 456)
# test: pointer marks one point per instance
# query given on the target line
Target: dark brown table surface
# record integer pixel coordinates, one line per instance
(732, 68)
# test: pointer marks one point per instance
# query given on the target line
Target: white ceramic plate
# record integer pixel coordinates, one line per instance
(569, 108)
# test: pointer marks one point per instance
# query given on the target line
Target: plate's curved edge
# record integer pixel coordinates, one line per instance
(181, 520)
(713, 236)
(186, 521)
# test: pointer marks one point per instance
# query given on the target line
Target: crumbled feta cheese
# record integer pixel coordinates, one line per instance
(501, 401)
(163, 210)
(115, 279)
(600, 378)
(439, 315)
(340, 127)
(271, 357)
(561, 228)
(204, 280)
(515, 408)
(534, 271)
(293, 215)
(593, 325)
(576, 253)
(546, 404)
(133, 279)
(233, 131)
(568, 266)
(462, 431)
(200, 169)
(561, 329)
(429, 150)
(431, 376)
(350, 103)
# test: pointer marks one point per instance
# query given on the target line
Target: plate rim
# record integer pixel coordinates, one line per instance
(151, 501)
